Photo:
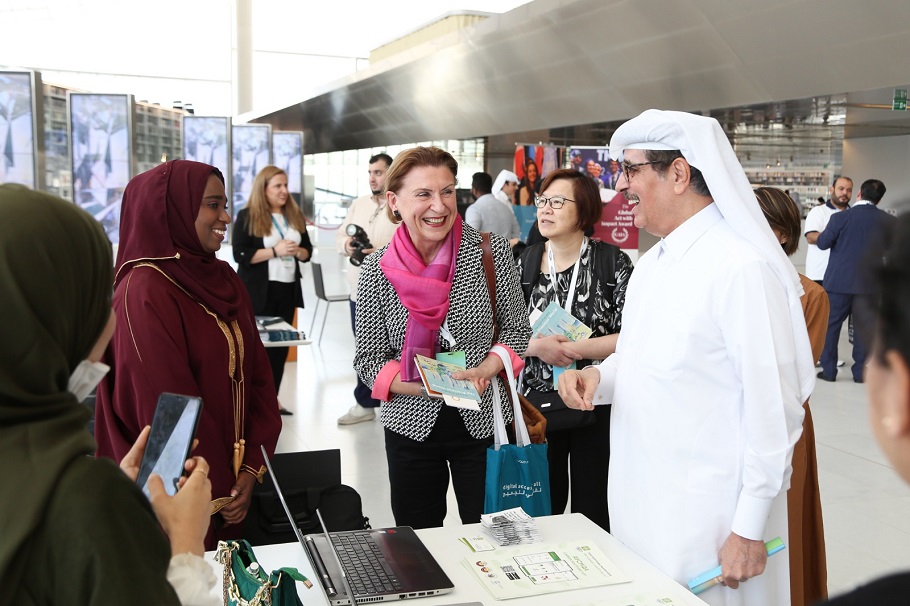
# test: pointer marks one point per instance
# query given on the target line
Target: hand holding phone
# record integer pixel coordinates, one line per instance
(170, 440)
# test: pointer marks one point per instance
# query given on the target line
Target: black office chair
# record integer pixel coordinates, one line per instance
(319, 287)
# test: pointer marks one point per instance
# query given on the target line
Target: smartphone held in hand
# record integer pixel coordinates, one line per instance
(170, 440)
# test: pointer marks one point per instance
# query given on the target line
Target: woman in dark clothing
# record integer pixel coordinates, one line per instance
(76, 530)
(270, 241)
(588, 279)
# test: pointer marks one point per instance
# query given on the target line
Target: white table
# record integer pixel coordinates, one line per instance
(448, 550)
(281, 326)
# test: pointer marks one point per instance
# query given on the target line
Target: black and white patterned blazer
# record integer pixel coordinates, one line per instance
(381, 322)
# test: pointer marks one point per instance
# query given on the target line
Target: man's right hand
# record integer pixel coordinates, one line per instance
(349, 246)
(577, 387)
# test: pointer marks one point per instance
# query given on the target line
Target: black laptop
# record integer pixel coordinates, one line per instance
(379, 565)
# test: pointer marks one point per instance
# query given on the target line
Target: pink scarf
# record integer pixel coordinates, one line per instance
(423, 290)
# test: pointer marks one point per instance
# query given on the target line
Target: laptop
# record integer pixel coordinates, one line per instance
(377, 565)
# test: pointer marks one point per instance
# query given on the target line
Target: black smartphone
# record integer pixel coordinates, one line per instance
(171, 438)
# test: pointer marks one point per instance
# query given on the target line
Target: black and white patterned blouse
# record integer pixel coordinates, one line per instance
(381, 322)
(598, 301)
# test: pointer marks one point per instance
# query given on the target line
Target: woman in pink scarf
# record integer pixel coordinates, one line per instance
(426, 293)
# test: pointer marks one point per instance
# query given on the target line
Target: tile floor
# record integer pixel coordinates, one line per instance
(865, 503)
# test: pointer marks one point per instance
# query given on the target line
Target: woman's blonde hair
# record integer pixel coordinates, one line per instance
(261, 213)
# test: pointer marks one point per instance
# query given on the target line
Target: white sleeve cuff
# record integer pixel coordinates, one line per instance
(193, 580)
(604, 393)
(751, 516)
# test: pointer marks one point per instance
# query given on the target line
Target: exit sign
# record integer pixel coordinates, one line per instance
(899, 103)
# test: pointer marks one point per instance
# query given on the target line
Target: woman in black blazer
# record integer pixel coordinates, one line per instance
(270, 241)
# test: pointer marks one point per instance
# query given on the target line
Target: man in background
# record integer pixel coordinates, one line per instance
(816, 221)
(711, 368)
(489, 214)
(613, 174)
(856, 240)
(505, 186)
(369, 213)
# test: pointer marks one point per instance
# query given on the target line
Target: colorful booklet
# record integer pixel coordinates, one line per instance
(712, 577)
(437, 378)
(557, 321)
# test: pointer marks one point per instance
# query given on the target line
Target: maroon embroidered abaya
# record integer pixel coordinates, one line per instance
(184, 325)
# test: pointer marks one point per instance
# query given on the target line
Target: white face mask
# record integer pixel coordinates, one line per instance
(85, 378)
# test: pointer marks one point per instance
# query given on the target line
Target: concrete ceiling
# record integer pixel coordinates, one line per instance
(551, 64)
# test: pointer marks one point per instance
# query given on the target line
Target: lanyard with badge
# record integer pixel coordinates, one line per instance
(286, 261)
(570, 296)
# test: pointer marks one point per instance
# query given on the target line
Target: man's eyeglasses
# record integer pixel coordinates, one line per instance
(556, 202)
(630, 170)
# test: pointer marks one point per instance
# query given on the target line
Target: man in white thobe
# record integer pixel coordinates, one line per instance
(505, 186)
(710, 370)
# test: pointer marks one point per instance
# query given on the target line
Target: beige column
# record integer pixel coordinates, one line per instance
(242, 57)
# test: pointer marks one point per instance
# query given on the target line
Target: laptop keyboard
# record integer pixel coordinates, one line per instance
(366, 567)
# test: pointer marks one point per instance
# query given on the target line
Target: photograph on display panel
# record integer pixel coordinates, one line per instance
(287, 154)
(532, 164)
(101, 152)
(596, 163)
(207, 139)
(252, 151)
(17, 129)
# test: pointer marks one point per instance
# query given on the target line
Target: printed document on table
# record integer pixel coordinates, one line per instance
(437, 378)
(557, 321)
(528, 570)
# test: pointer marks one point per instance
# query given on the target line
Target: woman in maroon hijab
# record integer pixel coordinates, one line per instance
(185, 325)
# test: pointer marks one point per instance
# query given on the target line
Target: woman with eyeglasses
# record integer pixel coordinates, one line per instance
(587, 279)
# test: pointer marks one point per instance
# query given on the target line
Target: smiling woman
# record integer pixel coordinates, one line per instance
(270, 242)
(426, 293)
(212, 220)
(185, 325)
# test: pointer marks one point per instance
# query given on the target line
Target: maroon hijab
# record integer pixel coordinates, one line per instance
(158, 223)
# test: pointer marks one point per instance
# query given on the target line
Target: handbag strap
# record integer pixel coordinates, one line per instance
(489, 272)
(499, 429)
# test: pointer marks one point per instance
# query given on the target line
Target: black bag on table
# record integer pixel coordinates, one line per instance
(559, 416)
(341, 507)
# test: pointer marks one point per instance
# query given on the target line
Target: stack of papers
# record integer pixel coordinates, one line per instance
(510, 527)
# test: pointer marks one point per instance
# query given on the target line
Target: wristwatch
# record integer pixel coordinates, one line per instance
(423, 391)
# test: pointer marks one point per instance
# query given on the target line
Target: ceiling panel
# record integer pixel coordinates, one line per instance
(555, 63)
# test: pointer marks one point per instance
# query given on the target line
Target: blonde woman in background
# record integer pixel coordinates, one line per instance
(270, 241)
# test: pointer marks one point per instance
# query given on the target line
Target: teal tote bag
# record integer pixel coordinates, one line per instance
(517, 474)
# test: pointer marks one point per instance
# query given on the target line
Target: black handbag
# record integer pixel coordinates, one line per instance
(559, 416)
(341, 507)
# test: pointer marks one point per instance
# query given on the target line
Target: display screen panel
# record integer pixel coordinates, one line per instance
(101, 152)
(252, 151)
(17, 129)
